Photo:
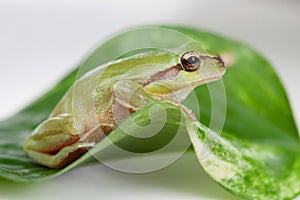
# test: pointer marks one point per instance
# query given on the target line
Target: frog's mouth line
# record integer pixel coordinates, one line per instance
(174, 88)
(198, 83)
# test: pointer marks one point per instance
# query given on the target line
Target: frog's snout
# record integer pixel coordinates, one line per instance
(220, 64)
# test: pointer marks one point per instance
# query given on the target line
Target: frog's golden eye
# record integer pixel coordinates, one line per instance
(190, 61)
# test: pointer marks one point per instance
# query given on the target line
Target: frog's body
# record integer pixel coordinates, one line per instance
(105, 96)
(103, 81)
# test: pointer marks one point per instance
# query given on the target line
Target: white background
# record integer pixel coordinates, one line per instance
(40, 41)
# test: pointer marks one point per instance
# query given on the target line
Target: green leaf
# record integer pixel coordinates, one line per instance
(257, 155)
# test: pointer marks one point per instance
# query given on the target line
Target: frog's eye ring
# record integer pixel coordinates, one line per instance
(190, 61)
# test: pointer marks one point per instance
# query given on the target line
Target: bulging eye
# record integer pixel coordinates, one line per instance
(190, 61)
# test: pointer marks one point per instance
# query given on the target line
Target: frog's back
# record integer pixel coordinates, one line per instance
(93, 92)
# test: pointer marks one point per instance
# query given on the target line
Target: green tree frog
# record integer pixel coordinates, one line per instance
(113, 91)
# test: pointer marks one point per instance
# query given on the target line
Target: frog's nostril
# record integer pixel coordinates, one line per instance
(220, 61)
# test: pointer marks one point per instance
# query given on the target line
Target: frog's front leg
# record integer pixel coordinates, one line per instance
(56, 142)
(129, 96)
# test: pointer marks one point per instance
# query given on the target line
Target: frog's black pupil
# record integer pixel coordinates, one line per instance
(192, 60)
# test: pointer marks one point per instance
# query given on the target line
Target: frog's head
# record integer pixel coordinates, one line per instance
(193, 67)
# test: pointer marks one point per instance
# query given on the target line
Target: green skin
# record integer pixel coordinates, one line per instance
(98, 102)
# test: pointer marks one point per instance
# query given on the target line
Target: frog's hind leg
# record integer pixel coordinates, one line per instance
(56, 142)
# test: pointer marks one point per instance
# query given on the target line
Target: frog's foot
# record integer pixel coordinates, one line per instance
(56, 142)
(65, 156)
